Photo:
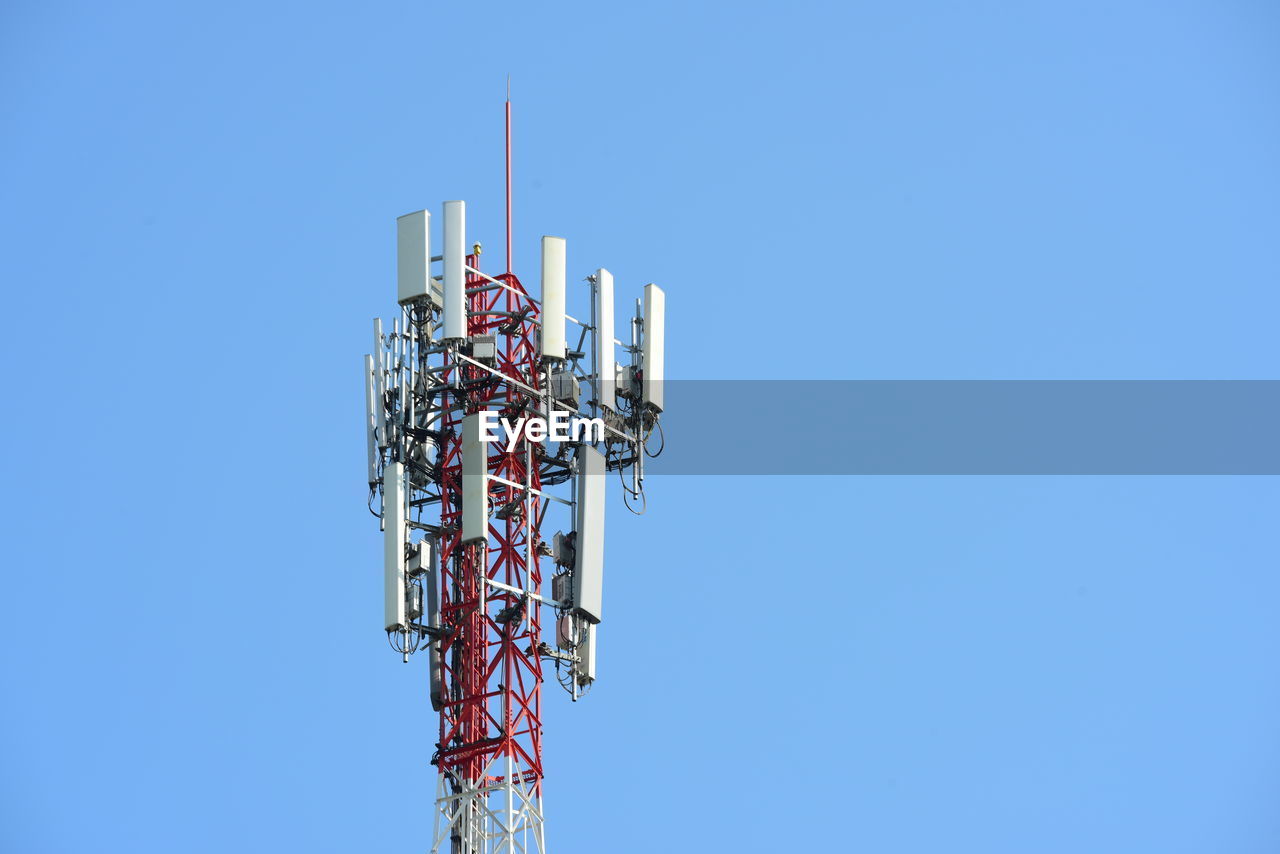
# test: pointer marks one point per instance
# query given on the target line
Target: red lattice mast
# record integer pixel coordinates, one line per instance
(491, 698)
(463, 509)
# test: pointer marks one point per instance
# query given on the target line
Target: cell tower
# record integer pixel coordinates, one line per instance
(475, 414)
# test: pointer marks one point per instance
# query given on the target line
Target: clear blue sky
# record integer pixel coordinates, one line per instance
(198, 219)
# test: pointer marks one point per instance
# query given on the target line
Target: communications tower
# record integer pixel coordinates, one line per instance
(490, 422)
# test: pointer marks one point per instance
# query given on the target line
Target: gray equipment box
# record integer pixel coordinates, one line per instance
(562, 549)
(565, 388)
(484, 348)
(560, 588)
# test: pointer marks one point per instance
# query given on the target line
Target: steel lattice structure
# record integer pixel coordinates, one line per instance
(491, 734)
(463, 514)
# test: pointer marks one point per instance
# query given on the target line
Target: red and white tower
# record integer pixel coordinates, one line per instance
(476, 412)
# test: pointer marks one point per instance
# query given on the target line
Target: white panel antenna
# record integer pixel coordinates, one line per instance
(437, 677)
(393, 518)
(652, 364)
(379, 389)
(606, 366)
(587, 656)
(475, 482)
(588, 570)
(370, 423)
(455, 260)
(413, 257)
(553, 277)
(422, 566)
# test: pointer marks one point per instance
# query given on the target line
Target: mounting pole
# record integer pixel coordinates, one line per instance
(508, 173)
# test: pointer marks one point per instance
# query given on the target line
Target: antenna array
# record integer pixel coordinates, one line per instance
(463, 510)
